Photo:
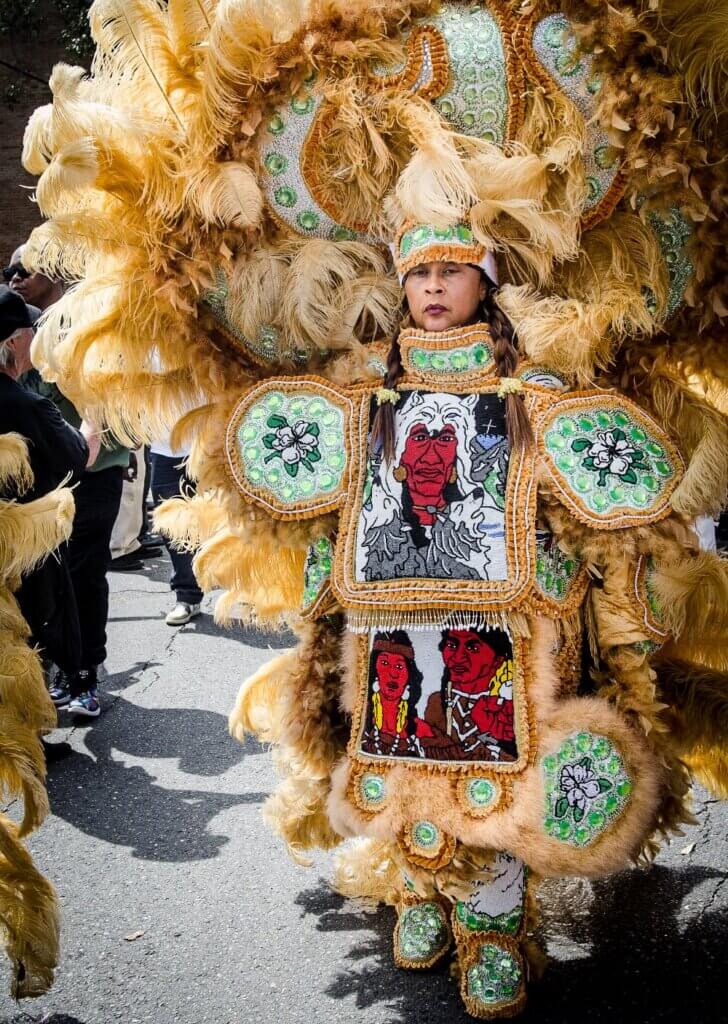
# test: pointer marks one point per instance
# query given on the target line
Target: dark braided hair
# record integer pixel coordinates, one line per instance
(505, 356)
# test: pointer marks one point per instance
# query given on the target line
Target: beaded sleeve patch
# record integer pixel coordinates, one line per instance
(673, 232)
(455, 356)
(610, 463)
(586, 787)
(316, 578)
(561, 579)
(451, 698)
(549, 48)
(287, 447)
(444, 533)
(647, 601)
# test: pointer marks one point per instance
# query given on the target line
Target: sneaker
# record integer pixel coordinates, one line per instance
(86, 704)
(126, 563)
(181, 613)
(150, 540)
(60, 689)
(150, 552)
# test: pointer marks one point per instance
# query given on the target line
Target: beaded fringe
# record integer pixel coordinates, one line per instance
(419, 620)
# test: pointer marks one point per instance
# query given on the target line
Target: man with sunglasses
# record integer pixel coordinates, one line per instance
(35, 289)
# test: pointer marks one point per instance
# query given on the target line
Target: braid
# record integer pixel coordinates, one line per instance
(505, 354)
(383, 427)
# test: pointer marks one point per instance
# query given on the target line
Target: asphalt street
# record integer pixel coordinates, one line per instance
(179, 907)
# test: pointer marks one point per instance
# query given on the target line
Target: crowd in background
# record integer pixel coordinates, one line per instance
(65, 600)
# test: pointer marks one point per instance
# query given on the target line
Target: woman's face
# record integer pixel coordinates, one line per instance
(443, 295)
(391, 670)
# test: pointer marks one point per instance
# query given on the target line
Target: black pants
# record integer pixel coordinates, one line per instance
(97, 505)
(168, 475)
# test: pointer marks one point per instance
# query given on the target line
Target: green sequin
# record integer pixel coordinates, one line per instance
(425, 834)
(275, 164)
(480, 792)
(372, 789)
(586, 787)
(496, 978)
(422, 932)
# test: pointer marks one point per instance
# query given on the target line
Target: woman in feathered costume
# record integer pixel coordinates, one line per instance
(224, 187)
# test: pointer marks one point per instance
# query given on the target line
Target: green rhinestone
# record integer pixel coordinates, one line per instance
(569, 566)
(560, 587)
(326, 565)
(276, 124)
(554, 34)
(297, 407)
(637, 434)
(565, 65)
(257, 413)
(326, 481)
(640, 496)
(604, 420)
(624, 788)
(316, 407)
(329, 418)
(447, 108)
(470, 94)
(614, 765)
(602, 747)
(555, 441)
(248, 433)
(663, 468)
(254, 475)
(566, 427)
(438, 362)
(621, 419)
(563, 829)
(459, 361)
(586, 423)
(593, 86)
(273, 402)
(600, 502)
(418, 358)
(286, 197)
(273, 476)
(490, 136)
(421, 234)
(567, 751)
(611, 804)
(549, 581)
(372, 788)
(469, 119)
(604, 157)
(275, 164)
(550, 763)
(443, 234)
(425, 833)
(617, 494)
(594, 189)
(582, 835)
(306, 486)
(481, 355)
(596, 820)
(583, 483)
(341, 234)
(469, 73)
(252, 453)
(336, 460)
(288, 492)
(471, 921)
(308, 220)
(331, 439)
(302, 104)
(549, 822)
(566, 462)
(311, 77)
(584, 742)
(481, 792)
(654, 449)
(464, 233)
(650, 483)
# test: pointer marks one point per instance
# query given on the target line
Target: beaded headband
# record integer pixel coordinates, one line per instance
(388, 647)
(422, 243)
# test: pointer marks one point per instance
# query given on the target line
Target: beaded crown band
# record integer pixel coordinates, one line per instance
(423, 243)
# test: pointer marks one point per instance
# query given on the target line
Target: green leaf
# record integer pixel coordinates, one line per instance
(604, 785)
(268, 440)
(307, 464)
(585, 763)
(291, 468)
(273, 455)
(313, 428)
(314, 456)
(603, 474)
(619, 435)
(580, 444)
(276, 421)
(578, 814)
(562, 806)
(589, 463)
(630, 477)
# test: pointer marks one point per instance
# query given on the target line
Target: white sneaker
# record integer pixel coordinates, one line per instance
(182, 613)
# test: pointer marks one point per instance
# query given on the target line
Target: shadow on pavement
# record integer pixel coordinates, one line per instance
(641, 960)
(126, 806)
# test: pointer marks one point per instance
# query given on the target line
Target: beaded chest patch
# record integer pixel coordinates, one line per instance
(453, 697)
(610, 463)
(454, 356)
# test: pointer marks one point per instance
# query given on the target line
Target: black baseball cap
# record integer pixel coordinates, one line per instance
(14, 313)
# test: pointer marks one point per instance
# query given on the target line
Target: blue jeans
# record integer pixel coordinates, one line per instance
(168, 476)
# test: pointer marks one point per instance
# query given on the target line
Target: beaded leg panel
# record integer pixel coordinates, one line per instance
(489, 926)
(422, 935)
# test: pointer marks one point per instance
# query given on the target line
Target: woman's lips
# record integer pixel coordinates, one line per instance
(435, 310)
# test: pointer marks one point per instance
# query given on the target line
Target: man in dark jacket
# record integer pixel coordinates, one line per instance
(56, 451)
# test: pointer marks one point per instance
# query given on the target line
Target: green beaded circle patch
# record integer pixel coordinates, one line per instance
(372, 789)
(425, 834)
(586, 787)
(480, 792)
(496, 978)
